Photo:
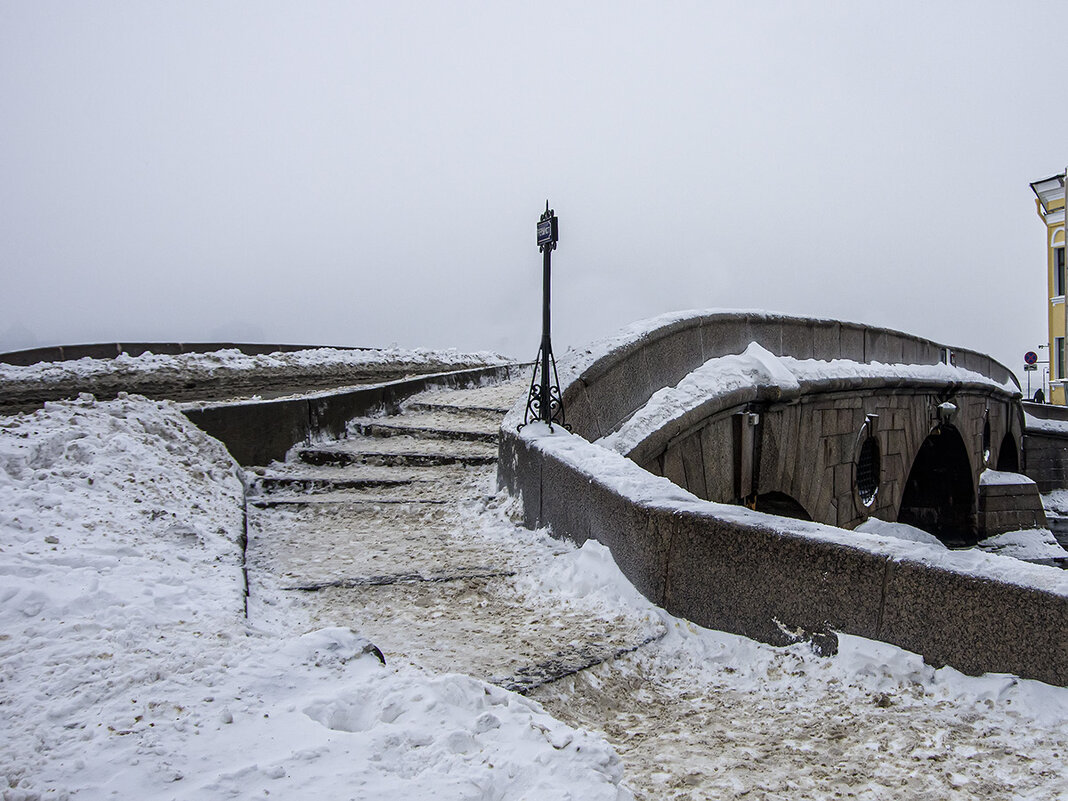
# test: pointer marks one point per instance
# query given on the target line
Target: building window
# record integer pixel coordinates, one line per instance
(1058, 349)
(1058, 272)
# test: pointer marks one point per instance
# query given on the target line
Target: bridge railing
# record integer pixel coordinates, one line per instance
(605, 384)
(759, 575)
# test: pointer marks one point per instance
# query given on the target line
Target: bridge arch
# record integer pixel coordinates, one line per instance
(779, 503)
(1008, 454)
(939, 493)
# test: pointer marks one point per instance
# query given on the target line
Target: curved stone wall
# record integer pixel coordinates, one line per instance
(603, 386)
(756, 574)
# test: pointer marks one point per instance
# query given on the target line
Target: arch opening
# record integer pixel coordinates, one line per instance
(986, 438)
(1008, 455)
(939, 494)
(868, 469)
(779, 503)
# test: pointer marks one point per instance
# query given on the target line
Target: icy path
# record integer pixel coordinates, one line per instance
(746, 722)
(397, 540)
(694, 714)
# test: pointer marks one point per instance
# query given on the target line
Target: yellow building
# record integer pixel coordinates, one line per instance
(1049, 199)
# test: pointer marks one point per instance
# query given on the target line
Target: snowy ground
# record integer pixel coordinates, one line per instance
(128, 668)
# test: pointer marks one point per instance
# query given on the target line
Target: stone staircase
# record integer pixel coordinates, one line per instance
(395, 532)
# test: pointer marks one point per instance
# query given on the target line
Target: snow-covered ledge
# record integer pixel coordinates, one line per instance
(766, 577)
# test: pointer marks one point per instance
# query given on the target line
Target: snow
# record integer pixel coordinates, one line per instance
(1001, 478)
(200, 366)
(901, 531)
(129, 670)
(1033, 543)
(755, 368)
(1056, 501)
(1032, 423)
(714, 715)
(577, 361)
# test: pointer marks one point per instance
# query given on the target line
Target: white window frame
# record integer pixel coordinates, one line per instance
(1058, 272)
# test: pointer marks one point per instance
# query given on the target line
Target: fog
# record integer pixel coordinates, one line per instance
(371, 173)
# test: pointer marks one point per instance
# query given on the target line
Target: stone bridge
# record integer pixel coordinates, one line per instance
(817, 420)
(825, 421)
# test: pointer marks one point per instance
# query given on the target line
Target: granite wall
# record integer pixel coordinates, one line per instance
(747, 573)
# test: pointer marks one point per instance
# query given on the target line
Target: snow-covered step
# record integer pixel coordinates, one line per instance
(351, 498)
(477, 414)
(268, 484)
(330, 472)
(426, 425)
(498, 398)
(400, 450)
(316, 547)
(484, 627)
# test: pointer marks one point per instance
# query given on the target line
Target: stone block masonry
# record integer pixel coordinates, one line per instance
(773, 579)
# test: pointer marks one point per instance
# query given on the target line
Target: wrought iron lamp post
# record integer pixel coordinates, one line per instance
(544, 402)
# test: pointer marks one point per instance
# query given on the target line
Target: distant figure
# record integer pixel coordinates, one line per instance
(1040, 396)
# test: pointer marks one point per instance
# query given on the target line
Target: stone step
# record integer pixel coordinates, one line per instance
(272, 483)
(416, 454)
(337, 498)
(484, 415)
(499, 397)
(298, 483)
(425, 427)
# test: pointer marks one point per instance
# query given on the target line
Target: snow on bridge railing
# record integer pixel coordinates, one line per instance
(604, 384)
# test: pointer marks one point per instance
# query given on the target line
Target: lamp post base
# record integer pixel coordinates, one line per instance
(543, 401)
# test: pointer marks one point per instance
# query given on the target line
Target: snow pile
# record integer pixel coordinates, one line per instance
(717, 377)
(1042, 424)
(1000, 478)
(128, 670)
(588, 574)
(201, 366)
(900, 531)
(1056, 502)
(1030, 544)
(120, 550)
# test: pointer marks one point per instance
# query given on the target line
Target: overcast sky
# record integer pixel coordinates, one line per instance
(371, 173)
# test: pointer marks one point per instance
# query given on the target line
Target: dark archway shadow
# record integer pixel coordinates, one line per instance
(779, 503)
(939, 495)
(1008, 455)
